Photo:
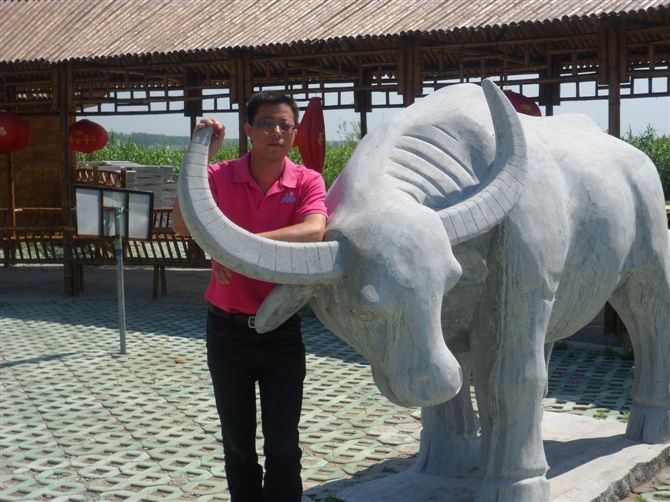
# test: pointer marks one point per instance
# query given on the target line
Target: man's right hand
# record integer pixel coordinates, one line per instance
(218, 134)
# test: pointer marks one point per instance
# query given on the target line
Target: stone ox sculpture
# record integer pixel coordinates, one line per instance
(463, 240)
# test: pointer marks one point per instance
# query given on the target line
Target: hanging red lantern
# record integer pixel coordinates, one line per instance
(523, 104)
(15, 132)
(86, 136)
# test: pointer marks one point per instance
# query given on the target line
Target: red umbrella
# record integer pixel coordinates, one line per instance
(311, 137)
(523, 104)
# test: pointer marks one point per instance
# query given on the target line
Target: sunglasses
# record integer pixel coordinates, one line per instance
(269, 125)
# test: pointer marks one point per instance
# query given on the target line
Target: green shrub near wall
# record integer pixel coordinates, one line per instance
(657, 147)
(337, 155)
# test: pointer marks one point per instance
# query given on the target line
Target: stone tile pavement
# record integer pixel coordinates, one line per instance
(79, 421)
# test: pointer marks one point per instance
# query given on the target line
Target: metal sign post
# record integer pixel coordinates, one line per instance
(106, 211)
(120, 290)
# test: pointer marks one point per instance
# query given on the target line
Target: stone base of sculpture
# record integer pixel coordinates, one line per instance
(588, 458)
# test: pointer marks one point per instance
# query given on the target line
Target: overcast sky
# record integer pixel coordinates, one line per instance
(635, 113)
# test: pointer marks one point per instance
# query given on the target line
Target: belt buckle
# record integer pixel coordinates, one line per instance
(251, 322)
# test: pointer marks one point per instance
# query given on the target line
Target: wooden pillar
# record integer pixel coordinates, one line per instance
(193, 96)
(364, 123)
(410, 81)
(613, 70)
(11, 191)
(550, 93)
(241, 89)
(613, 84)
(64, 104)
(363, 100)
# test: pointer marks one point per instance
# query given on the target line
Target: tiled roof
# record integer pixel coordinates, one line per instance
(55, 31)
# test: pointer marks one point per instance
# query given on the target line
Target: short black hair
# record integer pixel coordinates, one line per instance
(270, 98)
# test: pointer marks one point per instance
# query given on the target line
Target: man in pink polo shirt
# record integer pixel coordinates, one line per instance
(267, 194)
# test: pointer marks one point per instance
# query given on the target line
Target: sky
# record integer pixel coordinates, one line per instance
(636, 114)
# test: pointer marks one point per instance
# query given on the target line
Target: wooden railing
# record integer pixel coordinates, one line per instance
(45, 244)
(31, 245)
(115, 178)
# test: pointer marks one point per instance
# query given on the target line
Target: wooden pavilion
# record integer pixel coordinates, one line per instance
(128, 57)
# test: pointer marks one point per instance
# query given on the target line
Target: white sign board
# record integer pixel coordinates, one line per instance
(96, 207)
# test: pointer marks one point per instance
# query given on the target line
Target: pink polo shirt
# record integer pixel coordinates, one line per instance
(298, 192)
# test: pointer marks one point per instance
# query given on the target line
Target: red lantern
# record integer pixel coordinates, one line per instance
(523, 104)
(15, 132)
(86, 136)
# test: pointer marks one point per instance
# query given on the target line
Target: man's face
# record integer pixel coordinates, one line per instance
(272, 132)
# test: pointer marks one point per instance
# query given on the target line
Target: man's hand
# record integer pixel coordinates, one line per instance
(218, 134)
(222, 273)
(310, 229)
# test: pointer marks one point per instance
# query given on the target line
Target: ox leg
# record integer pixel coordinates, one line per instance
(510, 381)
(449, 441)
(643, 303)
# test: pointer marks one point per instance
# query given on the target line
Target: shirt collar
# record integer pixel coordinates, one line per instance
(242, 172)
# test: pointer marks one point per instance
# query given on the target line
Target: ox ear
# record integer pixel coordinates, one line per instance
(473, 265)
(282, 303)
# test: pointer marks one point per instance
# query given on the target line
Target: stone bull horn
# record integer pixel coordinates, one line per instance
(256, 257)
(500, 193)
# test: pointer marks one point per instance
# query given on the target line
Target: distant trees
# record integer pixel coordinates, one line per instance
(152, 140)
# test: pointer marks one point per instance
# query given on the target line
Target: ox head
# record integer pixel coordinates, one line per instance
(391, 251)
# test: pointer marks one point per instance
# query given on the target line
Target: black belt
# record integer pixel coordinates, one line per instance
(245, 320)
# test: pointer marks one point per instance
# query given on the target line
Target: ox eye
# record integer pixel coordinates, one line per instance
(369, 295)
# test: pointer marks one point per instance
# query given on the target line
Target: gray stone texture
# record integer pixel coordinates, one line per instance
(468, 239)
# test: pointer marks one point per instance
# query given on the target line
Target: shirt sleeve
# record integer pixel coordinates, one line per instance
(312, 195)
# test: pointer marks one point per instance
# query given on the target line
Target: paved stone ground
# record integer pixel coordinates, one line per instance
(81, 422)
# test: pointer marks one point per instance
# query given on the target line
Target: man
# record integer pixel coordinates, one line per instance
(267, 194)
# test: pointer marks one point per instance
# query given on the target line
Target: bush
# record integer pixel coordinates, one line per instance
(127, 151)
(337, 155)
(657, 149)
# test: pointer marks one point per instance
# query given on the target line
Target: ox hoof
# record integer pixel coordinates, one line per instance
(505, 490)
(649, 424)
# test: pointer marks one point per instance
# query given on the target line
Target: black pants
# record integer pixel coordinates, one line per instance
(238, 357)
